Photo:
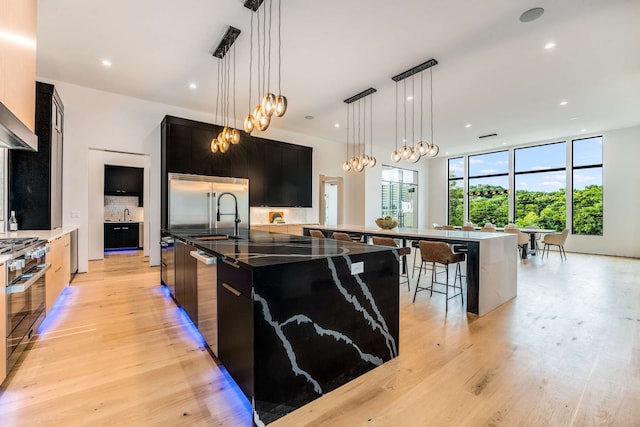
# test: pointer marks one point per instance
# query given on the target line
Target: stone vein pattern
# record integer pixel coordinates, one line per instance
(319, 326)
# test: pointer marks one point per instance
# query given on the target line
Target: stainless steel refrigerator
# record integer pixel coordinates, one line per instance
(208, 203)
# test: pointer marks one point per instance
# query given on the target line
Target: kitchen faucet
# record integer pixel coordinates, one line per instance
(236, 220)
(125, 213)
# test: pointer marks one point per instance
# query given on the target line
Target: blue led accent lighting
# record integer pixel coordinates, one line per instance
(55, 312)
(123, 251)
(190, 328)
(246, 403)
(164, 290)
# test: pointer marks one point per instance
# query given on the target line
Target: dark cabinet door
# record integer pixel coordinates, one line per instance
(255, 169)
(35, 178)
(303, 176)
(121, 235)
(186, 288)
(178, 148)
(124, 181)
(235, 325)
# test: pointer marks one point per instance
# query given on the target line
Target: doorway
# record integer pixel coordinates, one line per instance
(330, 201)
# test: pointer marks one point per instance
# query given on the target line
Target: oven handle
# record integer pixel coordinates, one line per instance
(16, 289)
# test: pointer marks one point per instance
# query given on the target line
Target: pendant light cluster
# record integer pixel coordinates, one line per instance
(357, 104)
(268, 104)
(412, 152)
(226, 92)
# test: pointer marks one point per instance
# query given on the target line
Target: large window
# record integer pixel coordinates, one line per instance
(400, 195)
(540, 183)
(489, 188)
(456, 191)
(587, 186)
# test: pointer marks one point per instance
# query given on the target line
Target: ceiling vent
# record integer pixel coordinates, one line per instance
(489, 135)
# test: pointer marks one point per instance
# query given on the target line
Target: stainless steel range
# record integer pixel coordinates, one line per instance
(25, 291)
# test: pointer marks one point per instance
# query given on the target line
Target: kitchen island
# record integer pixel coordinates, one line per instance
(298, 316)
(491, 258)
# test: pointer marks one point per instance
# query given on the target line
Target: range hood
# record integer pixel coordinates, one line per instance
(14, 134)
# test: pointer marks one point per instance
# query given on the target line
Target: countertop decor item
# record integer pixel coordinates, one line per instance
(276, 217)
(386, 224)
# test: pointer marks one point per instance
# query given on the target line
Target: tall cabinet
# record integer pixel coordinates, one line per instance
(35, 178)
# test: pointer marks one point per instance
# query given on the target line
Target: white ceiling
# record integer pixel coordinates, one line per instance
(493, 70)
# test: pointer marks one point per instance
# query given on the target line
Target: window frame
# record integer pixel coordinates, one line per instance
(590, 166)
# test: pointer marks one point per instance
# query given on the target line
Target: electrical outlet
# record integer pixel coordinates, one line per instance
(357, 268)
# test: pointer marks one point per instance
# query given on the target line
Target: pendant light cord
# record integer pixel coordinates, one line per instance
(431, 93)
(404, 104)
(371, 125)
(235, 119)
(258, 56)
(421, 104)
(250, 61)
(218, 92)
(396, 116)
(264, 48)
(269, 66)
(279, 46)
(347, 132)
(413, 109)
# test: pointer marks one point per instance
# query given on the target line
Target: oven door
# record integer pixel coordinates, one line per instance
(25, 305)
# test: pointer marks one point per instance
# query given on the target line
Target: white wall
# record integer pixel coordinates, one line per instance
(98, 122)
(621, 216)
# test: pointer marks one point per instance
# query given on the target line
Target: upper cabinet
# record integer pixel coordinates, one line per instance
(18, 63)
(279, 173)
(124, 181)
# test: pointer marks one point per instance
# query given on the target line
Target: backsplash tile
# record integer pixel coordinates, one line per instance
(114, 207)
(260, 216)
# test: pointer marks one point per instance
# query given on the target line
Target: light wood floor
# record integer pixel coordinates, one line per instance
(565, 352)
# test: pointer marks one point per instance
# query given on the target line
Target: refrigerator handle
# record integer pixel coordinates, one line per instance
(210, 214)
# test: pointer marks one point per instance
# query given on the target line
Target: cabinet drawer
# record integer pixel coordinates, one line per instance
(235, 279)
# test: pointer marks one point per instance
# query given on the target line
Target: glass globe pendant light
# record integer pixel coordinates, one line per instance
(214, 145)
(281, 105)
(281, 100)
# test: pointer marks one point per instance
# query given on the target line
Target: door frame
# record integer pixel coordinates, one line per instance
(337, 180)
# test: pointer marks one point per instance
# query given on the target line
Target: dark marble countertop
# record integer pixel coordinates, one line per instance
(255, 248)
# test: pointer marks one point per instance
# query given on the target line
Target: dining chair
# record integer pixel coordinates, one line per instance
(555, 239)
(448, 227)
(468, 228)
(522, 241)
(342, 236)
(316, 233)
(402, 252)
(440, 253)
(488, 229)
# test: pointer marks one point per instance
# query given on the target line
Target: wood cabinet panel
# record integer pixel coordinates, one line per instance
(18, 64)
(3, 324)
(58, 276)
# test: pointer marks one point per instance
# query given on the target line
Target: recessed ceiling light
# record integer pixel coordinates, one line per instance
(563, 102)
(550, 45)
(192, 85)
(409, 97)
(583, 130)
(337, 125)
(106, 63)
(504, 143)
(468, 125)
(309, 117)
(573, 118)
(404, 140)
(531, 14)
(446, 154)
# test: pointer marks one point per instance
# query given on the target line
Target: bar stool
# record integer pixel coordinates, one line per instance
(440, 253)
(316, 233)
(342, 236)
(402, 252)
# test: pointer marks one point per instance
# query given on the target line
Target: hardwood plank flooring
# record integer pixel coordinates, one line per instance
(565, 352)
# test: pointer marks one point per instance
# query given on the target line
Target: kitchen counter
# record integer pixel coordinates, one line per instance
(281, 298)
(257, 248)
(48, 235)
(491, 259)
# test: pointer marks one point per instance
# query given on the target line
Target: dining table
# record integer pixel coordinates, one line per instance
(532, 237)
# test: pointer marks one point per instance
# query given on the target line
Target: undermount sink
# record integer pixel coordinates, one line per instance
(212, 237)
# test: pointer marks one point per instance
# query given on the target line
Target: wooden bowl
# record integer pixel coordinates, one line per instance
(386, 224)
